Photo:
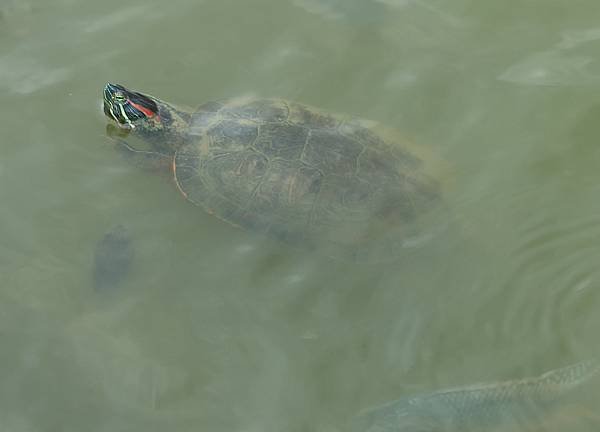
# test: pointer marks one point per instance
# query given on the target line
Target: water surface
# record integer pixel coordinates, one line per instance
(215, 328)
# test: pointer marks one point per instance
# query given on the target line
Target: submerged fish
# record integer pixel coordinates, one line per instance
(112, 258)
(502, 406)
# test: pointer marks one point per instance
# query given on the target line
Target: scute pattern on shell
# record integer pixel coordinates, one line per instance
(304, 176)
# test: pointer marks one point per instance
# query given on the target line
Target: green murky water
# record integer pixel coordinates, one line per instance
(218, 329)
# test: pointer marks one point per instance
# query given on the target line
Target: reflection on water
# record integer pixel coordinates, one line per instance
(217, 328)
(356, 12)
(551, 68)
(562, 65)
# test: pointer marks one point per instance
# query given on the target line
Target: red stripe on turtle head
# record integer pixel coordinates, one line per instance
(147, 112)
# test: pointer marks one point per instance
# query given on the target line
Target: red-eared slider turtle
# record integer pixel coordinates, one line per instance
(286, 169)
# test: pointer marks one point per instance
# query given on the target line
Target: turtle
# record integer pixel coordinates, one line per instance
(329, 182)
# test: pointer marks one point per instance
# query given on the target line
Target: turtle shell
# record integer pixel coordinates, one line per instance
(305, 177)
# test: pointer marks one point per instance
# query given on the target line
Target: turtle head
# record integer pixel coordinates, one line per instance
(146, 116)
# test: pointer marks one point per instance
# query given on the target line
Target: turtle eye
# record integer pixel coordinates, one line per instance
(119, 97)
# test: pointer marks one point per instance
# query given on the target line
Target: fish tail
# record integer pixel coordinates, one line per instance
(571, 376)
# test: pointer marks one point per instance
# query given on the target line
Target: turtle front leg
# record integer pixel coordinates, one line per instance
(147, 160)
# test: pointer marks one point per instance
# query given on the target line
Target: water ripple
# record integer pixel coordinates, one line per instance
(553, 271)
